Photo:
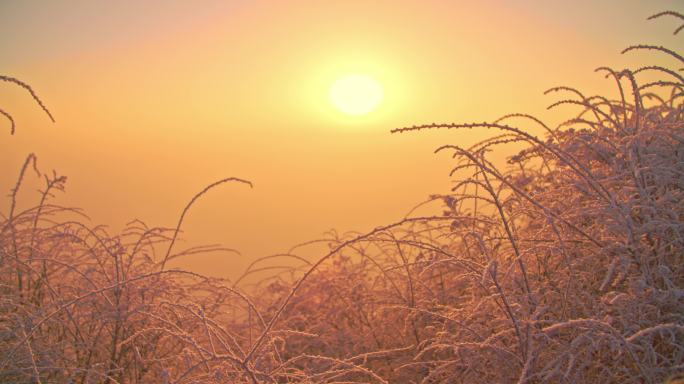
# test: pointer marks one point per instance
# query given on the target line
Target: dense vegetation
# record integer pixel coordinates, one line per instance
(565, 267)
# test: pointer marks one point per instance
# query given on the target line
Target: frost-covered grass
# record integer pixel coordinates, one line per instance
(566, 267)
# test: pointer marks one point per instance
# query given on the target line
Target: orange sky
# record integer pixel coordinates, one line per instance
(156, 99)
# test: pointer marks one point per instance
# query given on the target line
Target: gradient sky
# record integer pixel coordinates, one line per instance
(156, 99)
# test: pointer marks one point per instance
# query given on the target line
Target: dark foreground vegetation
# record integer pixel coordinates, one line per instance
(566, 267)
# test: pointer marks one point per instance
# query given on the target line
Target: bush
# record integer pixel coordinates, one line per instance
(565, 267)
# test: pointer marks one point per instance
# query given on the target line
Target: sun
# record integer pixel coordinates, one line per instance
(356, 94)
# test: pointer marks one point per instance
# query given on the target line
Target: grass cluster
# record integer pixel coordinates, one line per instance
(565, 267)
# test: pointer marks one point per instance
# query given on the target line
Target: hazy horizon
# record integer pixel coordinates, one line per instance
(155, 100)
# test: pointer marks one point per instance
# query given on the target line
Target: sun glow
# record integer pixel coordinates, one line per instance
(356, 94)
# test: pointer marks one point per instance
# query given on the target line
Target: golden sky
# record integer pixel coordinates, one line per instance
(156, 99)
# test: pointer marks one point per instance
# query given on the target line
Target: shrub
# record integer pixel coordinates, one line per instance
(564, 267)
